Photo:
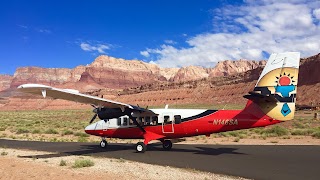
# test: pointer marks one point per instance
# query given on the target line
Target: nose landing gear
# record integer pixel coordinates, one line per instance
(103, 143)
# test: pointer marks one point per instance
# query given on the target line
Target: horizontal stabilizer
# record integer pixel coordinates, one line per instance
(258, 98)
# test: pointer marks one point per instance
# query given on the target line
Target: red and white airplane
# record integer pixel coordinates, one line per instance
(272, 101)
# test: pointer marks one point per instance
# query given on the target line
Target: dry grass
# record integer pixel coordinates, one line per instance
(68, 126)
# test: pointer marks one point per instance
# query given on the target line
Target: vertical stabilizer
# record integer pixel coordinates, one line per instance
(275, 91)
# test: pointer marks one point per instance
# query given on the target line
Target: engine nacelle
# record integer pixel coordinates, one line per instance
(111, 113)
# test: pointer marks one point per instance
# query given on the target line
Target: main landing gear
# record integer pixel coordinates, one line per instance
(167, 145)
(103, 143)
(141, 147)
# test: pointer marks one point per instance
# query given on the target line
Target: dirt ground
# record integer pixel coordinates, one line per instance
(14, 165)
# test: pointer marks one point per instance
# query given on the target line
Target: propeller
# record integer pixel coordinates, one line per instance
(95, 110)
(93, 118)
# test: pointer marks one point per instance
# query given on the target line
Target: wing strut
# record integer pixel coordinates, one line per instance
(136, 123)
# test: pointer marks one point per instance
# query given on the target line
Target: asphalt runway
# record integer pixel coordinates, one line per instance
(249, 161)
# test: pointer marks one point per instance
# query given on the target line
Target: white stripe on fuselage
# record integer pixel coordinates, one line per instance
(113, 123)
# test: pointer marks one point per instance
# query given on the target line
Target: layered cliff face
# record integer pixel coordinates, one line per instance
(110, 72)
(119, 73)
(226, 68)
(190, 73)
(48, 76)
(5, 82)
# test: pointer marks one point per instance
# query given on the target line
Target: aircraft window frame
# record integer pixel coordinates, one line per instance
(166, 119)
(177, 119)
(119, 121)
(125, 121)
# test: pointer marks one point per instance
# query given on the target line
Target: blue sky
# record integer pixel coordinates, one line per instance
(170, 33)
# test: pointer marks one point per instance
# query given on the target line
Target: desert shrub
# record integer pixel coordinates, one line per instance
(276, 131)
(51, 131)
(79, 163)
(63, 163)
(36, 131)
(299, 132)
(67, 132)
(298, 125)
(316, 134)
(81, 134)
(22, 130)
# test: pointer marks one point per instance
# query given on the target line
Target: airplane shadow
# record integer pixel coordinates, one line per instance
(127, 150)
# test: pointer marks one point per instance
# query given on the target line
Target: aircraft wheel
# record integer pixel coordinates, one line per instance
(103, 144)
(141, 147)
(167, 145)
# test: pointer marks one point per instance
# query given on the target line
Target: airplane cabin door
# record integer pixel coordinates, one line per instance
(167, 124)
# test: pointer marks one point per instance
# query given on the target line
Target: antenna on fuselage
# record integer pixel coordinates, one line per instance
(224, 106)
(166, 107)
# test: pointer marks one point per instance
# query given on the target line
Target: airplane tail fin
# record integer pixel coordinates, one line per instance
(275, 91)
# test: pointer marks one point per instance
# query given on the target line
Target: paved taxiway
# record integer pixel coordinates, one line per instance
(257, 162)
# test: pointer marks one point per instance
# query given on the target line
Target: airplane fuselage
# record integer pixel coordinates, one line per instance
(178, 123)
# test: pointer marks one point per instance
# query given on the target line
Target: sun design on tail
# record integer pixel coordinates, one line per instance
(284, 80)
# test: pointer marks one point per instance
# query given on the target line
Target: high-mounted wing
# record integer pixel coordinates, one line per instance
(73, 95)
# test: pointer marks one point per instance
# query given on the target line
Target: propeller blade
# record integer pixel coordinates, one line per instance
(93, 118)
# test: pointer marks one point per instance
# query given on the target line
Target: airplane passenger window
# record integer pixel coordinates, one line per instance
(125, 121)
(166, 119)
(177, 119)
(119, 121)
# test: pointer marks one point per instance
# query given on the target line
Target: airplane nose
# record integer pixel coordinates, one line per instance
(89, 129)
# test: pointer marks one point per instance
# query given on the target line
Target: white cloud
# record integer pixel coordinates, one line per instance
(168, 41)
(316, 13)
(249, 31)
(145, 53)
(47, 31)
(22, 26)
(98, 47)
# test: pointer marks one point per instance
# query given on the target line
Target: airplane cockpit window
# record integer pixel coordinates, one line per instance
(154, 120)
(125, 121)
(119, 121)
(131, 122)
(177, 119)
(147, 120)
(141, 121)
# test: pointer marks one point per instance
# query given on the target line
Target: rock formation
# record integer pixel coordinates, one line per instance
(5, 82)
(110, 72)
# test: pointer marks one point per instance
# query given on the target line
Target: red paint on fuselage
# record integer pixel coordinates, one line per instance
(219, 121)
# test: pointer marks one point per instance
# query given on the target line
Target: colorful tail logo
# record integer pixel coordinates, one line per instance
(276, 89)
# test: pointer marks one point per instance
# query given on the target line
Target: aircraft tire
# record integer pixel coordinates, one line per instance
(103, 143)
(167, 145)
(141, 147)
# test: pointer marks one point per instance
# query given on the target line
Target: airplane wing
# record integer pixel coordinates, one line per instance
(74, 95)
